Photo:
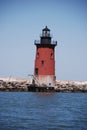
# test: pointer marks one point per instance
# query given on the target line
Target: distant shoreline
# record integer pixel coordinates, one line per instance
(23, 85)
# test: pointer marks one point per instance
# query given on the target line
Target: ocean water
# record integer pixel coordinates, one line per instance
(43, 111)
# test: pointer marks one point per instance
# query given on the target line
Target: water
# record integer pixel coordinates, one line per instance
(43, 111)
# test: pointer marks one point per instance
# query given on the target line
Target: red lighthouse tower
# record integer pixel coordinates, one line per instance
(45, 59)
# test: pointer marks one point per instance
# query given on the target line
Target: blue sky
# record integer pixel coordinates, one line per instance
(22, 21)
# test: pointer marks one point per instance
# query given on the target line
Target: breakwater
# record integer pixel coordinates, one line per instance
(71, 86)
(14, 84)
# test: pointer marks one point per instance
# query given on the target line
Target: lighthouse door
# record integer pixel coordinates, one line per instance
(36, 71)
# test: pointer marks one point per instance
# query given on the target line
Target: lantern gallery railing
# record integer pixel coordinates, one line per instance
(38, 42)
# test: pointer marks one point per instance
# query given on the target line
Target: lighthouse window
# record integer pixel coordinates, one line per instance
(38, 55)
(51, 55)
(42, 62)
(36, 71)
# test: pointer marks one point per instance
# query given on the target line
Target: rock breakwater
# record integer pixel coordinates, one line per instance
(71, 86)
(14, 84)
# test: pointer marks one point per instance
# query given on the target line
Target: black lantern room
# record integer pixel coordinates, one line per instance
(45, 37)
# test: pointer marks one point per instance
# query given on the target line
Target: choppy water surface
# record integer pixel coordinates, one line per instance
(43, 111)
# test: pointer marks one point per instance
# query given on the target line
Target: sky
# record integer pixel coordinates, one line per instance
(21, 23)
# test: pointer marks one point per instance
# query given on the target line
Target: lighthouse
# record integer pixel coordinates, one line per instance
(44, 68)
